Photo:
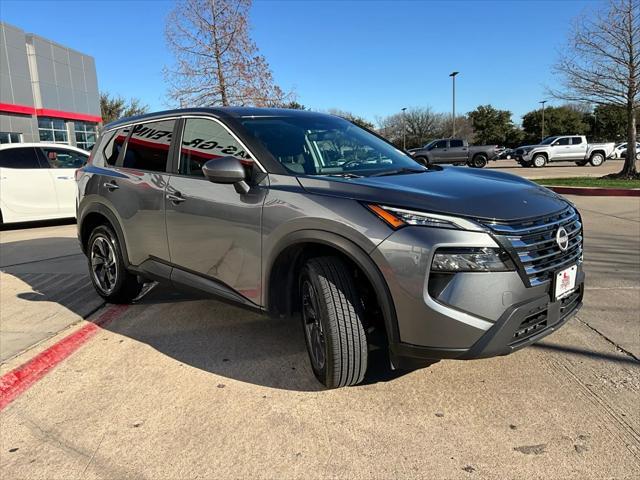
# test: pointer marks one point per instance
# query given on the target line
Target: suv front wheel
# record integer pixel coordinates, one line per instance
(332, 320)
(106, 266)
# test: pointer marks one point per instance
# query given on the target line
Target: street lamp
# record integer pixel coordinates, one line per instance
(404, 129)
(542, 102)
(453, 78)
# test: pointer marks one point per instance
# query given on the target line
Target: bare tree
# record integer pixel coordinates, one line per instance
(419, 124)
(216, 62)
(601, 65)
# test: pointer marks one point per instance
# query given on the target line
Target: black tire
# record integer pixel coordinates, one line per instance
(331, 320)
(597, 159)
(539, 161)
(110, 279)
(479, 161)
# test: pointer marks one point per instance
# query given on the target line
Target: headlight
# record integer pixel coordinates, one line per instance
(399, 217)
(472, 260)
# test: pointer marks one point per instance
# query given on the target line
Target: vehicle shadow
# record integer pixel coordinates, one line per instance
(37, 224)
(206, 334)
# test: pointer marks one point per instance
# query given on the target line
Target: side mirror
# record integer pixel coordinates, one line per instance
(226, 170)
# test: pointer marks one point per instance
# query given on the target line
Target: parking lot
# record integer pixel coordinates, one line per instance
(180, 387)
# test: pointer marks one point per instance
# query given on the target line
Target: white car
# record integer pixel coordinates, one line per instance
(37, 181)
(621, 150)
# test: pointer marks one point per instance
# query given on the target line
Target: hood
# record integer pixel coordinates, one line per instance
(458, 191)
(531, 146)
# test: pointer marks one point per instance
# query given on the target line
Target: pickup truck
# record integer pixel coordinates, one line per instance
(566, 148)
(456, 151)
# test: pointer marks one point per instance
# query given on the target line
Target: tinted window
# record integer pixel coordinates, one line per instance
(440, 144)
(114, 145)
(563, 141)
(456, 143)
(148, 146)
(204, 140)
(61, 158)
(19, 158)
(576, 140)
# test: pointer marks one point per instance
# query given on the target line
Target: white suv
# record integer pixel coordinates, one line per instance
(37, 181)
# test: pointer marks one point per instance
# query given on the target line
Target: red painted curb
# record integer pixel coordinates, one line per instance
(15, 382)
(596, 191)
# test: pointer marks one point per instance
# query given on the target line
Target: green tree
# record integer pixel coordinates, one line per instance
(607, 123)
(563, 120)
(114, 107)
(294, 105)
(492, 125)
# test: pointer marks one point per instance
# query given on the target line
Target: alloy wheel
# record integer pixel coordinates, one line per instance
(313, 326)
(104, 267)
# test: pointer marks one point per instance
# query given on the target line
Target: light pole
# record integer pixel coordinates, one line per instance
(542, 102)
(404, 129)
(453, 118)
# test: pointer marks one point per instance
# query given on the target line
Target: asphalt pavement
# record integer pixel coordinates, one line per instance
(557, 169)
(181, 387)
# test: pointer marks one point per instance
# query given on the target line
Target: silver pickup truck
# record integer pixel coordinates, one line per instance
(456, 151)
(569, 148)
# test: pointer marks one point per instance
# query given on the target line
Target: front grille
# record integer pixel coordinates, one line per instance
(520, 151)
(534, 243)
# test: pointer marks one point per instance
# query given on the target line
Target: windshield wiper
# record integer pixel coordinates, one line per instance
(399, 171)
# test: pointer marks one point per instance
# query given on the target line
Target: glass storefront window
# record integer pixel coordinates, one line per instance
(53, 130)
(10, 137)
(85, 133)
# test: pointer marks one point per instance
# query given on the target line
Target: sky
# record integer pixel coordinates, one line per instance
(368, 57)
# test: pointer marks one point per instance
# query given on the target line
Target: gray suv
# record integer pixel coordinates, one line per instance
(298, 213)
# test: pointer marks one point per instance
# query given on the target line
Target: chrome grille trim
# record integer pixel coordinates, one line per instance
(534, 243)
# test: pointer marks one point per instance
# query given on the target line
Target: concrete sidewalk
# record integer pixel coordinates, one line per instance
(44, 286)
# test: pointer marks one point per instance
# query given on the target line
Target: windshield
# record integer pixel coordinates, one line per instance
(327, 146)
(548, 140)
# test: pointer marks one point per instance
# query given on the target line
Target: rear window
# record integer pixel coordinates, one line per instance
(576, 140)
(25, 157)
(456, 143)
(148, 146)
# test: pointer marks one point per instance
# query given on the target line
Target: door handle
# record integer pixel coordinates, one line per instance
(177, 198)
(111, 186)
(63, 178)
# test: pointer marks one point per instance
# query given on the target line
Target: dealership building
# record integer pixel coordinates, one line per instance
(48, 92)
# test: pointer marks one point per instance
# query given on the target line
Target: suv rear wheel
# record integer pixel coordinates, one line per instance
(106, 266)
(332, 320)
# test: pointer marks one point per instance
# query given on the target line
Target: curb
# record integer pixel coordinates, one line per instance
(596, 191)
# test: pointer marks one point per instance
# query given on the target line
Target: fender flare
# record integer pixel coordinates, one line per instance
(106, 212)
(352, 251)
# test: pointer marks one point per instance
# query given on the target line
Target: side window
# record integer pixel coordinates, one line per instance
(61, 158)
(441, 144)
(148, 146)
(576, 140)
(203, 140)
(19, 158)
(563, 141)
(456, 143)
(114, 144)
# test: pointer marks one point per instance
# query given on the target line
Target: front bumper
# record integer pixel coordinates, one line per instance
(476, 315)
(519, 326)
